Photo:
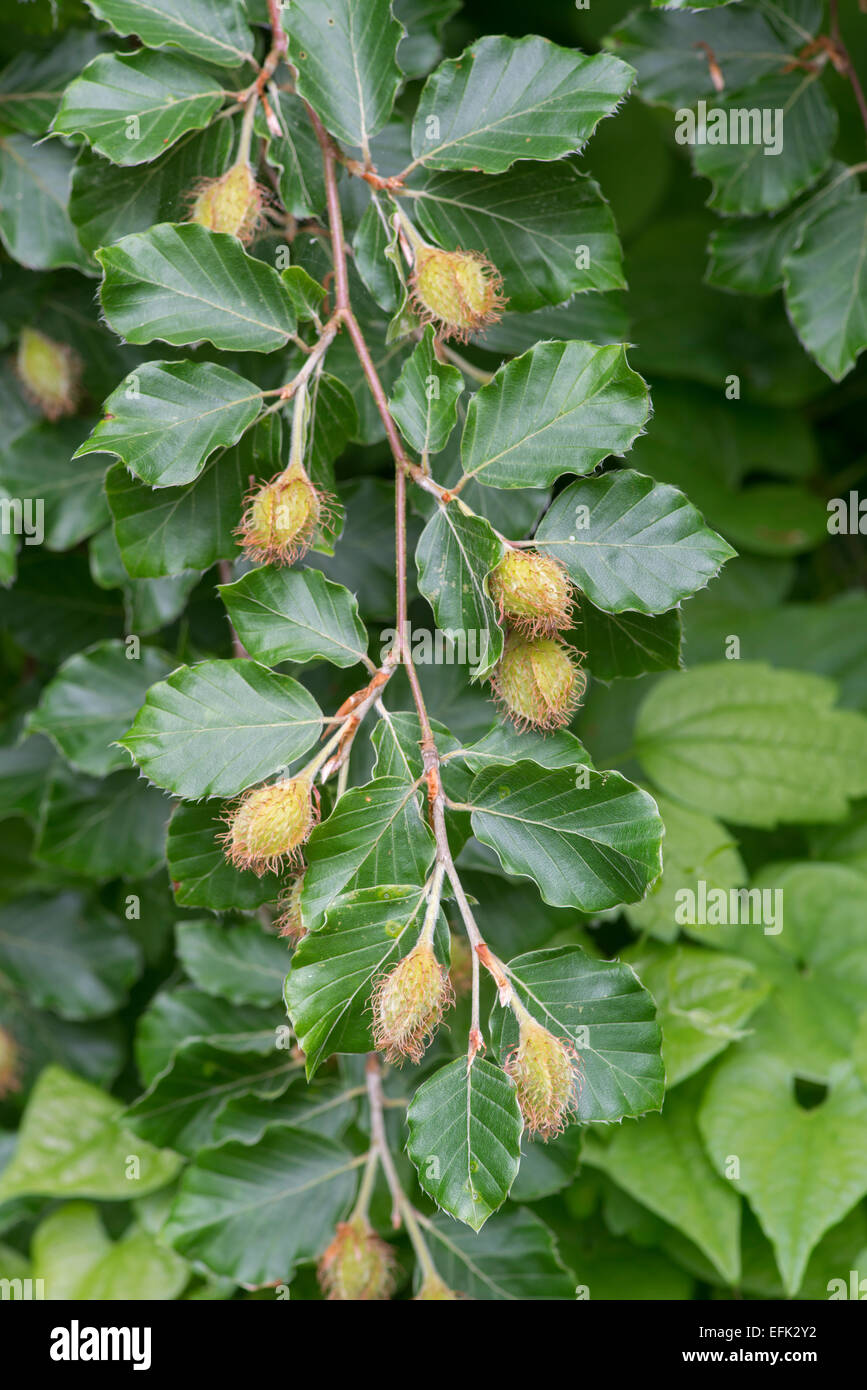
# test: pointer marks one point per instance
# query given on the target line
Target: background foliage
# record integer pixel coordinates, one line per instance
(140, 975)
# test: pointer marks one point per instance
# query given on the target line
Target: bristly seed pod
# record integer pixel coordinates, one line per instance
(49, 373)
(281, 518)
(231, 203)
(289, 921)
(357, 1266)
(269, 824)
(408, 1004)
(537, 682)
(435, 1289)
(459, 291)
(545, 1071)
(10, 1058)
(533, 592)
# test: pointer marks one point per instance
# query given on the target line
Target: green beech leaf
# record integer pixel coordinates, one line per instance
(504, 744)
(34, 204)
(114, 828)
(748, 255)
(663, 1165)
(592, 845)
(423, 21)
(344, 54)
(181, 283)
(374, 835)
(425, 397)
(249, 1212)
(296, 155)
(165, 531)
(240, 963)
(38, 464)
(216, 728)
(620, 646)
(179, 1106)
(826, 287)
(465, 1129)
(184, 1014)
(72, 1144)
(801, 1170)
(132, 106)
(514, 1257)
(751, 744)
(295, 615)
(90, 701)
(109, 201)
(548, 230)
(327, 1108)
(216, 32)
(76, 1259)
(507, 99)
(200, 873)
(333, 970)
(665, 48)
(630, 543)
(603, 1010)
(456, 553)
(32, 84)
(67, 955)
(166, 419)
(560, 408)
(793, 111)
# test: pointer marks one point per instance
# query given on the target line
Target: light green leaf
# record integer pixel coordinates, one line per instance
(603, 1010)
(249, 1212)
(752, 745)
(695, 847)
(333, 970)
(826, 287)
(662, 1164)
(456, 553)
(90, 701)
(76, 1259)
(67, 955)
(801, 1170)
(344, 55)
(506, 99)
(589, 846)
(704, 1000)
(167, 418)
(216, 728)
(548, 230)
(181, 283)
(425, 397)
(295, 615)
(374, 835)
(630, 543)
(560, 408)
(215, 30)
(71, 1144)
(132, 106)
(241, 963)
(465, 1128)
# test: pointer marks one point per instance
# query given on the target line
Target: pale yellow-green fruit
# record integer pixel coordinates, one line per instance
(537, 681)
(533, 592)
(459, 291)
(544, 1071)
(281, 519)
(231, 203)
(49, 373)
(408, 1004)
(357, 1266)
(269, 825)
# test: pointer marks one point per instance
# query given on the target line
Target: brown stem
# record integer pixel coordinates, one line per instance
(847, 67)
